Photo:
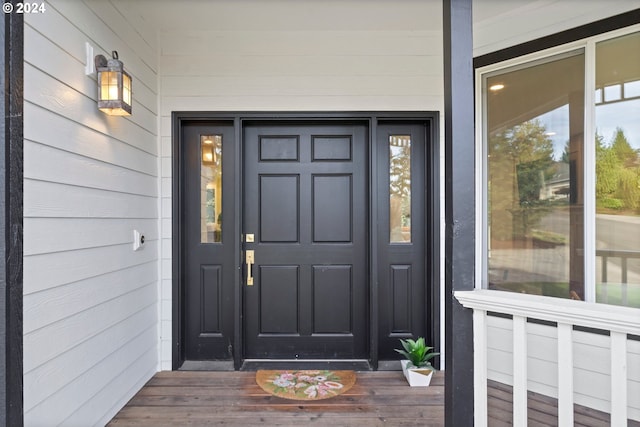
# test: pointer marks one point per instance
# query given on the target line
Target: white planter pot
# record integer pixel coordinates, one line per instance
(417, 377)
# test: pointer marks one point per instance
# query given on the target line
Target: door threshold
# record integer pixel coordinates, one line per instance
(206, 365)
(333, 364)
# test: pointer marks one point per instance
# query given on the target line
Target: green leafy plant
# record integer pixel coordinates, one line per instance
(417, 352)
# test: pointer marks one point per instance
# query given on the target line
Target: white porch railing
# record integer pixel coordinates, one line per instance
(619, 321)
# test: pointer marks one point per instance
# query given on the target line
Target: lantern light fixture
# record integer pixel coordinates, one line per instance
(114, 86)
(208, 154)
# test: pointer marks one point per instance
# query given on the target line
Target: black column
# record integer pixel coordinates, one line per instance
(459, 209)
(3, 252)
(11, 219)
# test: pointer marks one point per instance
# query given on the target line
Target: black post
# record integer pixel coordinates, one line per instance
(11, 220)
(459, 209)
(3, 252)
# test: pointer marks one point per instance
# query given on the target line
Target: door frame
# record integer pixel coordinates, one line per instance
(431, 119)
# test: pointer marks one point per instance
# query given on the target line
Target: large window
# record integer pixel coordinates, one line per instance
(562, 173)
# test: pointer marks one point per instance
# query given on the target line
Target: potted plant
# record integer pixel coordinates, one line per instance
(416, 368)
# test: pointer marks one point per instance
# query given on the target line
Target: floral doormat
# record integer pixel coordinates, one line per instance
(305, 385)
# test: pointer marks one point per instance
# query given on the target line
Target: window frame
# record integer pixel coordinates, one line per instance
(588, 46)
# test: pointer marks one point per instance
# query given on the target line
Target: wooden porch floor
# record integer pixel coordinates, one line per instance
(542, 411)
(200, 398)
(196, 398)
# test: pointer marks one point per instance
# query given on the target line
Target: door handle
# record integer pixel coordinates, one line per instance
(250, 260)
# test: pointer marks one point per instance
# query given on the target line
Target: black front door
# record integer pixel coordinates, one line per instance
(340, 217)
(305, 204)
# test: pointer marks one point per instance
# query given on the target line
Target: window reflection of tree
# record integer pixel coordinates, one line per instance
(521, 160)
(400, 188)
(618, 176)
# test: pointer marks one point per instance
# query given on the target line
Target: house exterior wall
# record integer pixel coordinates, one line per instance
(91, 305)
(90, 302)
(233, 66)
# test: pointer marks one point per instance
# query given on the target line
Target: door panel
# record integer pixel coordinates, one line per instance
(305, 199)
(332, 225)
(279, 197)
(403, 305)
(332, 287)
(279, 292)
(209, 241)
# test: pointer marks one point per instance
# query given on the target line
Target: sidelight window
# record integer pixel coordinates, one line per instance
(561, 172)
(400, 188)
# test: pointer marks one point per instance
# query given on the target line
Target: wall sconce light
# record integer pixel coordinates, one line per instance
(114, 86)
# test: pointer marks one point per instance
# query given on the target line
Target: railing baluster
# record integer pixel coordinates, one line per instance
(605, 280)
(480, 367)
(623, 285)
(618, 379)
(519, 371)
(565, 374)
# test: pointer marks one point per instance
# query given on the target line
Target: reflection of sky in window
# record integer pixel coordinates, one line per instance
(557, 124)
(625, 115)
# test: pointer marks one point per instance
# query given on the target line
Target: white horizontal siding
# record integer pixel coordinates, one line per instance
(65, 368)
(262, 65)
(326, 43)
(283, 64)
(68, 405)
(499, 24)
(69, 300)
(291, 86)
(46, 163)
(592, 365)
(253, 15)
(84, 233)
(87, 141)
(68, 201)
(302, 70)
(90, 302)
